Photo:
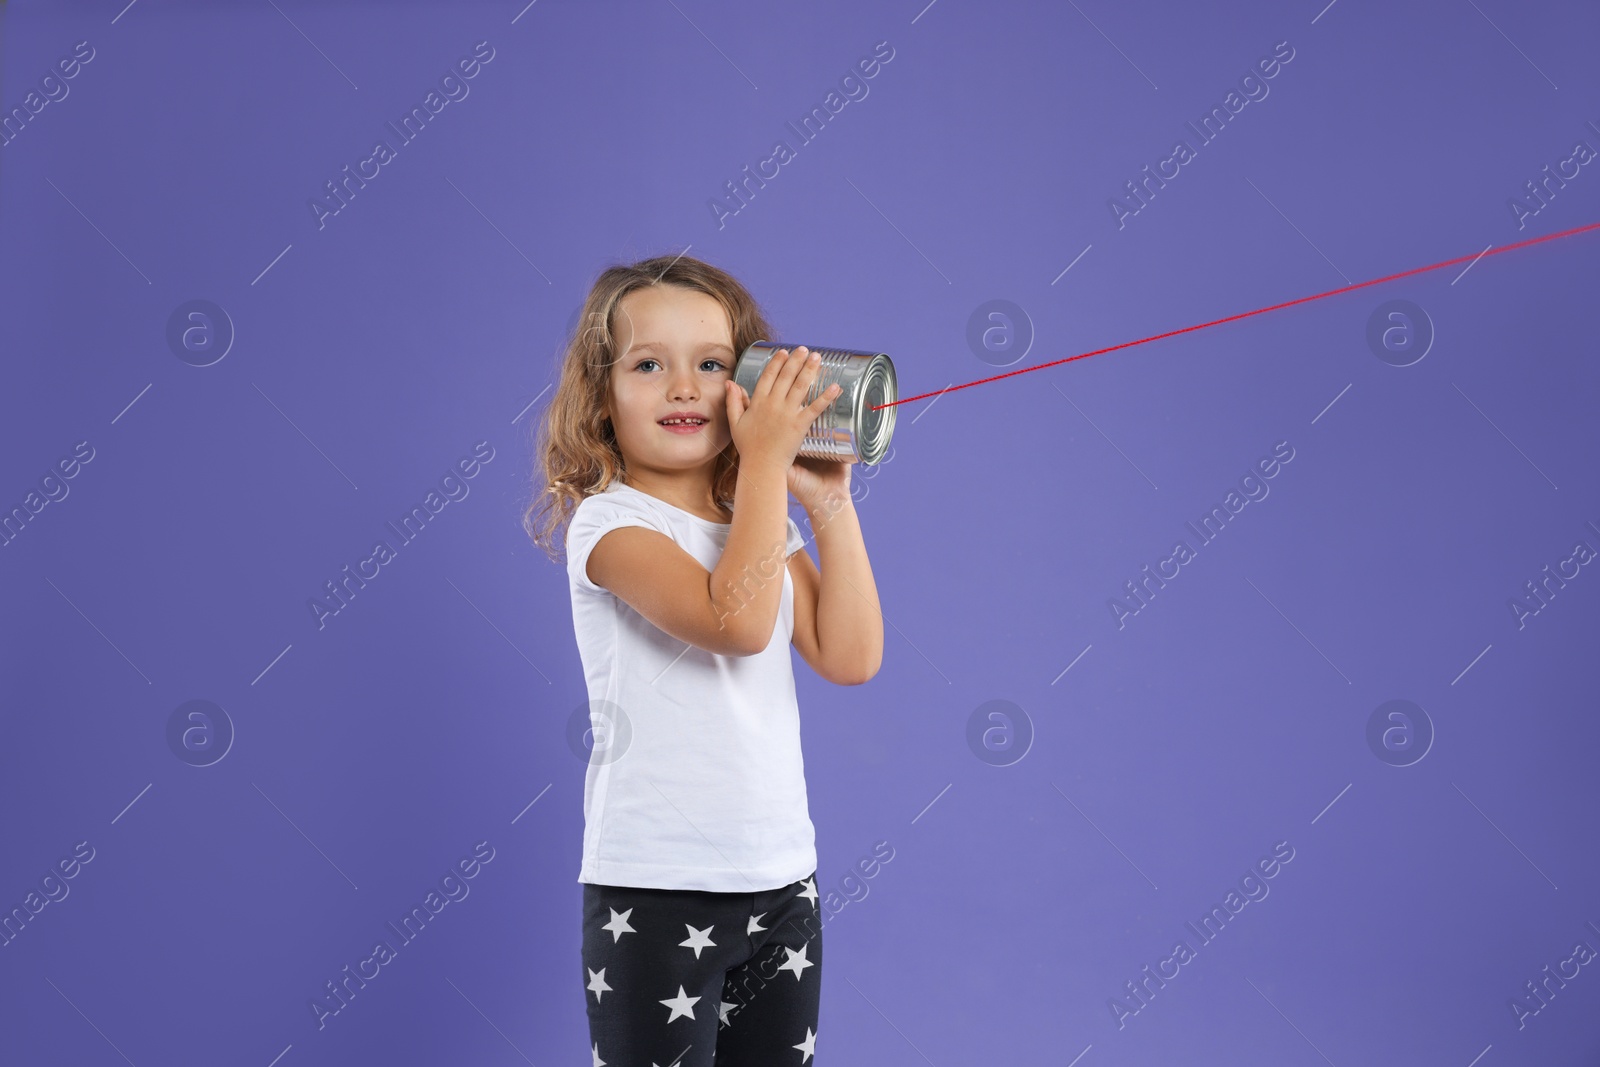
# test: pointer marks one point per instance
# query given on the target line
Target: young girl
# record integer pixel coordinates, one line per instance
(701, 937)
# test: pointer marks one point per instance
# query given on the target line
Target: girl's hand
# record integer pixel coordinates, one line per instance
(816, 482)
(768, 425)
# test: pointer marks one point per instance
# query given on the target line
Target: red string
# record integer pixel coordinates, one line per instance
(1247, 314)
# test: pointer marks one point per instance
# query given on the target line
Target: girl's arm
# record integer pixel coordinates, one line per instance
(732, 609)
(654, 576)
(838, 624)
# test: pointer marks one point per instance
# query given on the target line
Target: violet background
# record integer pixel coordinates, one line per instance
(1228, 715)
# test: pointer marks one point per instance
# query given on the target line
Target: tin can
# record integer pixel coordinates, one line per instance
(849, 429)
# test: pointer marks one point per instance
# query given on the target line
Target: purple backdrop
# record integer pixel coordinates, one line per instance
(1357, 701)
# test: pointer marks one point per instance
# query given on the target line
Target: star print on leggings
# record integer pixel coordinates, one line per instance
(682, 1004)
(698, 939)
(619, 925)
(797, 961)
(635, 964)
(597, 983)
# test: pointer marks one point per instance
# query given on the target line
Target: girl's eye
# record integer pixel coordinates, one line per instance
(714, 362)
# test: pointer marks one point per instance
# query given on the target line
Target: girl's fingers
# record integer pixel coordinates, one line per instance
(798, 362)
(827, 397)
(763, 380)
(791, 373)
(806, 371)
(767, 380)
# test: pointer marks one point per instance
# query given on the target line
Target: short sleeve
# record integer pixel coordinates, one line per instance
(797, 540)
(594, 517)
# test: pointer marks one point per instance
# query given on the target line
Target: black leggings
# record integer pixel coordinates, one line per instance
(682, 977)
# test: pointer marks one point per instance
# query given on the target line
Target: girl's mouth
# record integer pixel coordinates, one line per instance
(682, 426)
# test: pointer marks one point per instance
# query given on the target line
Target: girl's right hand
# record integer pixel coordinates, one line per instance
(769, 426)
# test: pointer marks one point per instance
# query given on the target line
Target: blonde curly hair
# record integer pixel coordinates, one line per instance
(575, 448)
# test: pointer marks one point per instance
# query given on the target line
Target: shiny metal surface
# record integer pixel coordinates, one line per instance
(849, 429)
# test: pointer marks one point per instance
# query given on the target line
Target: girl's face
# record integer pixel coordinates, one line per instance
(677, 351)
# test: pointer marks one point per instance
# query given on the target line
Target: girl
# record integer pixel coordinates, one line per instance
(701, 935)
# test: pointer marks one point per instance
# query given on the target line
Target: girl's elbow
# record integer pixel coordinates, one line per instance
(858, 676)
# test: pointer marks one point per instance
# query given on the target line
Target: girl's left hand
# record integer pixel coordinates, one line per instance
(814, 481)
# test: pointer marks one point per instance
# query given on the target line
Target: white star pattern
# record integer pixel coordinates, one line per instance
(698, 939)
(808, 1047)
(619, 925)
(597, 985)
(682, 1004)
(797, 961)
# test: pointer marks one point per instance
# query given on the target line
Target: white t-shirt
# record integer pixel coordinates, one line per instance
(696, 779)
